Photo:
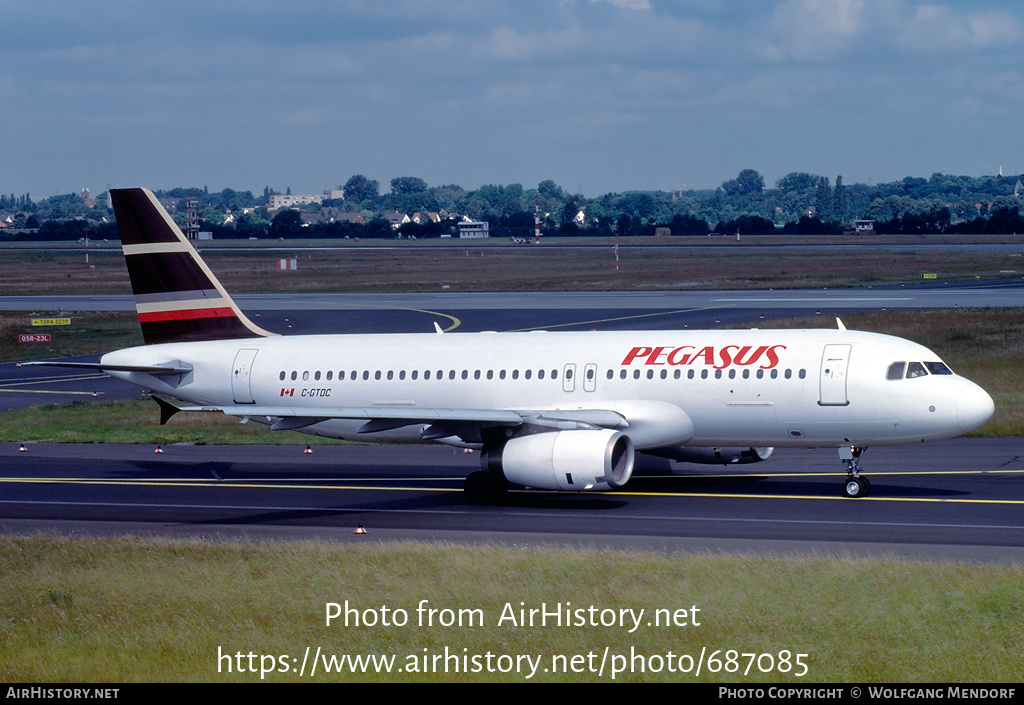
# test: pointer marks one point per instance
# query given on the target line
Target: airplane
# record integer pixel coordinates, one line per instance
(562, 411)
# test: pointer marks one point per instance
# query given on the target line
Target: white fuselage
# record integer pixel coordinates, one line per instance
(805, 388)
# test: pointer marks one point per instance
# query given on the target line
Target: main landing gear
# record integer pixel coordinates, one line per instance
(485, 488)
(855, 484)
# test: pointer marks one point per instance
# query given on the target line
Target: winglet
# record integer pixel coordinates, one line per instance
(176, 295)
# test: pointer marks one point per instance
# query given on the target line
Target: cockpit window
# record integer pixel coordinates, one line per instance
(915, 369)
(895, 370)
(938, 368)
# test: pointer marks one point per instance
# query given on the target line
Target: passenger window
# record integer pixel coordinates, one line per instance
(282, 375)
(515, 374)
(391, 374)
(540, 374)
(718, 374)
(330, 375)
(465, 374)
(703, 374)
(803, 373)
(501, 374)
(401, 374)
(295, 376)
(678, 373)
(789, 374)
(650, 374)
(366, 374)
(746, 374)
(490, 374)
(610, 373)
(664, 374)
(690, 374)
(622, 374)
(775, 374)
(305, 376)
(636, 374)
(915, 369)
(476, 375)
(426, 374)
(316, 375)
(528, 374)
(451, 374)
(732, 374)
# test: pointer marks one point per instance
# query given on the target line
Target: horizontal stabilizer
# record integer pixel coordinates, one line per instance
(148, 369)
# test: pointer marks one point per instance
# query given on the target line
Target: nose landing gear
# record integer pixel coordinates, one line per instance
(855, 484)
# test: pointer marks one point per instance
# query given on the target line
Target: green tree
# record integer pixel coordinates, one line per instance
(839, 201)
(287, 223)
(823, 200)
(747, 183)
(406, 185)
(359, 189)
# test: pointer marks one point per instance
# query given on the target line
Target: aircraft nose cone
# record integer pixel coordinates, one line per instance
(974, 407)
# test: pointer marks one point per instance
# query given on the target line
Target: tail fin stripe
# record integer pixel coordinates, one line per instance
(185, 314)
(193, 305)
(156, 248)
(168, 296)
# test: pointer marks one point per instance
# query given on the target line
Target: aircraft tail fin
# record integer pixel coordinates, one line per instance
(176, 295)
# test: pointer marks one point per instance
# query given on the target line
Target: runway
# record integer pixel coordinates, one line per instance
(956, 500)
(952, 500)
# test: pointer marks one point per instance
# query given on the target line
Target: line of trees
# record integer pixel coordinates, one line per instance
(799, 202)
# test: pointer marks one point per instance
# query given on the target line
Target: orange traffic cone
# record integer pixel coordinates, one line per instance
(360, 529)
(308, 451)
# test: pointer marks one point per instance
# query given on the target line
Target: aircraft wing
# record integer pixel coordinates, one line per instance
(383, 418)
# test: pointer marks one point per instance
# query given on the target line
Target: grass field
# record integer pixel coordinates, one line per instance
(114, 610)
(544, 268)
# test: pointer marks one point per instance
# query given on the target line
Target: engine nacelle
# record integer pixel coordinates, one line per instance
(714, 456)
(565, 460)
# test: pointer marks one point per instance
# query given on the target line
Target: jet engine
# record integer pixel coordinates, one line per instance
(713, 456)
(578, 460)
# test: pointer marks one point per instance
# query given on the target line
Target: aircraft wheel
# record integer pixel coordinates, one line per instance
(481, 488)
(856, 487)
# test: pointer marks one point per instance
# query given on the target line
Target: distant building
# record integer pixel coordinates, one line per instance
(864, 227)
(299, 199)
(474, 229)
(334, 194)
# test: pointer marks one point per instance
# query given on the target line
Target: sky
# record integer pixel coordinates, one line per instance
(598, 95)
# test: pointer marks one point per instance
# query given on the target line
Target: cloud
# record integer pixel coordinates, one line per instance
(628, 4)
(938, 28)
(813, 30)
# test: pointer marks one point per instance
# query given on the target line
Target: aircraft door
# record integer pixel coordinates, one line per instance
(590, 378)
(834, 363)
(240, 375)
(569, 378)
